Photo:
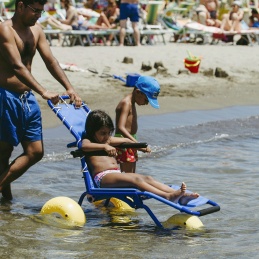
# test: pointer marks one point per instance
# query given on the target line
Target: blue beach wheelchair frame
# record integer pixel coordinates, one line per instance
(74, 120)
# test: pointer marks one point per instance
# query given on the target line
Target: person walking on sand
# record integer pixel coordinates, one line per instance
(129, 9)
(104, 169)
(146, 91)
(20, 115)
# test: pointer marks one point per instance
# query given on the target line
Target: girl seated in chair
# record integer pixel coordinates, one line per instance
(104, 169)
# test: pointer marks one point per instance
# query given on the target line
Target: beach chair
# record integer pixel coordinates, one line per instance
(216, 34)
(74, 120)
(52, 34)
(73, 37)
(151, 29)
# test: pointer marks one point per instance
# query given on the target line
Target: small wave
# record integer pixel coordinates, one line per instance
(55, 157)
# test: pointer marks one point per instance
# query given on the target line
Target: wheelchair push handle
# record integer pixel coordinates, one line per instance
(210, 210)
(80, 153)
(62, 98)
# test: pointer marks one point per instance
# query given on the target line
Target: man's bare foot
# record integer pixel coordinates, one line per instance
(7, 193)
(177, 194)
(188, 197)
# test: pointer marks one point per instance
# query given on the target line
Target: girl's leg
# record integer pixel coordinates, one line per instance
(140, 182)
(186, 197)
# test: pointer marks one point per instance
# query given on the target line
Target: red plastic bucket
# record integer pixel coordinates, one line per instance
(192, 65)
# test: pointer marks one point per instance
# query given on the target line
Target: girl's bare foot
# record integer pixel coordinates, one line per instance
(188, 197)
(176, 195)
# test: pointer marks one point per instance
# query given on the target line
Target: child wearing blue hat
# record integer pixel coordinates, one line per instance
(146, 91)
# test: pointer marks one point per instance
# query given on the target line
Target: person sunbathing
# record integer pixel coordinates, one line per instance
(233, 20)
(207, 13)
(73, 21)
(104, 169)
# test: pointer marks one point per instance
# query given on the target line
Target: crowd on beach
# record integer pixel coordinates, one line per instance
(110, 14)
(95, 15)
(65, 15)
(92, 14)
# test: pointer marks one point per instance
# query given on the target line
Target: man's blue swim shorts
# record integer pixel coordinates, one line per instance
(20, 117)
(129, 11)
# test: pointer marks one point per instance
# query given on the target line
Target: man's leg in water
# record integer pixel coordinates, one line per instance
(6, 152)
(33, 152)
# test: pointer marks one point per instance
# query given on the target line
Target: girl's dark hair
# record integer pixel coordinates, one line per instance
(29, 2)
(96, 120)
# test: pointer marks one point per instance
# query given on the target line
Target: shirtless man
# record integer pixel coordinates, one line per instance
(20, 116)
(129, 9)
(207, 12)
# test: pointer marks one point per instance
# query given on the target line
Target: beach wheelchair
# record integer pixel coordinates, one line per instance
(126, 198)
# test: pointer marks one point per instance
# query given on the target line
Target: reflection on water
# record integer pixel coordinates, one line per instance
(54, 220)
(217, 158)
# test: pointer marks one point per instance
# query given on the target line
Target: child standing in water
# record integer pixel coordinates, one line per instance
(104, 169)
(146, 91)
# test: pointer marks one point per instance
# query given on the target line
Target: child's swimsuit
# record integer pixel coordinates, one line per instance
(126, 154)
(99, 176)
(20, 117)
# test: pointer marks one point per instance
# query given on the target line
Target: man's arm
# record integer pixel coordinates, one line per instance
(55, 69)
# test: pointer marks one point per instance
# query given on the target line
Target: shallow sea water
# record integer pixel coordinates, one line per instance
(214, 152)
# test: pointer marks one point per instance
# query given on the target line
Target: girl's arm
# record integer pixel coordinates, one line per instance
(114, 141)
(88, 146)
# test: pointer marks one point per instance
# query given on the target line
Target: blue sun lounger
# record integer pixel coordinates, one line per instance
(74, 120)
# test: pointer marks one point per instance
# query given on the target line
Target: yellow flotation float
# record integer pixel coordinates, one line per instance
(117, 204)
(183, 220)
(67, 208)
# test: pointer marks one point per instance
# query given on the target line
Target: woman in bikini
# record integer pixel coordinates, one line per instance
(232, 20)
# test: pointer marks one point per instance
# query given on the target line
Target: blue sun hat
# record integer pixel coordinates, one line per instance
(150, 87)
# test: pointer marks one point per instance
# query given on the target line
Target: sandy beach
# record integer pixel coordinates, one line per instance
(179, 92)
